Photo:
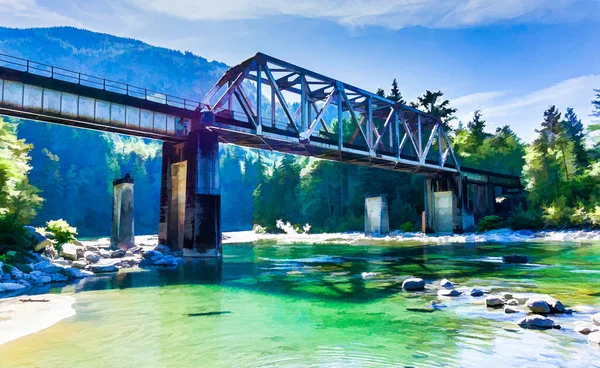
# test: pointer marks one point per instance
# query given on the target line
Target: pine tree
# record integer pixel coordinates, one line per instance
(432, 103)
(380, 92)
(395, 94)
(575, 132)
(476, 128)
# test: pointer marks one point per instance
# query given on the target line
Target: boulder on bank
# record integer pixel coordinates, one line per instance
(39, 241)
(10, 286)
(537, 305)
(47, 267)
(91, 257)
(70, 251)
(413, 284)
(536, 322)
(494, 302)
(515, 258)
(80, 264)
(119, 253)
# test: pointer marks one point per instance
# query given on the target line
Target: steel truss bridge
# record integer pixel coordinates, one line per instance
(263, 103)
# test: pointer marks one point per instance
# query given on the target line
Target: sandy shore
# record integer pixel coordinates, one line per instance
(29, 314)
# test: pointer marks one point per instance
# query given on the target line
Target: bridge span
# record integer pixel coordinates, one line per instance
(263, 103)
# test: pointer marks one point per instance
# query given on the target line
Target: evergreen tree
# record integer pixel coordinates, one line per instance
(395, 94)
(380, 92)
(576, 134)
(432, 103)
(476, 127)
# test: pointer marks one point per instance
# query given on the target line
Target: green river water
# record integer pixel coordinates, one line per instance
(302, 305)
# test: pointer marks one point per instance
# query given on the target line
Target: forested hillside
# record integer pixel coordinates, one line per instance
(74, 168)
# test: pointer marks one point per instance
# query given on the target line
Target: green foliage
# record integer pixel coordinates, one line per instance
(13, 238)
(558, 214)
(434, 104)
(521, 219)
(18, 198)
(407, 227)
(63, 232)
(502, 150)
(488, 223)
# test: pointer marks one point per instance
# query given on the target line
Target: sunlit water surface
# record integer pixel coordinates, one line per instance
(306, 305)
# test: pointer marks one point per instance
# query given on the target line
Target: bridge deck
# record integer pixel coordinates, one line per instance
(393, 138)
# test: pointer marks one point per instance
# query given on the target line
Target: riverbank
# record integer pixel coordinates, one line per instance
(21, 316)
(359, 238)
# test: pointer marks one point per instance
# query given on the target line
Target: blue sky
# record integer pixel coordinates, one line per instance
(510, 58)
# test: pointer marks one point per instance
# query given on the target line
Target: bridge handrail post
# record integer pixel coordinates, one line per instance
(51, 71)
(27, 65)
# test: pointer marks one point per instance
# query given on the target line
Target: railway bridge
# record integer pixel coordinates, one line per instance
(264, 103)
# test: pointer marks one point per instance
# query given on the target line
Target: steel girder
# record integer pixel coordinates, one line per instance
(276, 100)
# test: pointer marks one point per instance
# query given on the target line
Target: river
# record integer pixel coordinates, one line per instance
(299, 305)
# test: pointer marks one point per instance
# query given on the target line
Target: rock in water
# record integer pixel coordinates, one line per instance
(368, 275)
(512, 302)
(445, 283)
(555, 305)
(515, 258)
(163, 249)
(594, 338)
(99, 268)
(510, 309)
(476, 292)
(494, 301)
(413, 283)
(596, 319)
(166, 261)
(538, 306)
(448, 292)
(586, 329)
(536, 322)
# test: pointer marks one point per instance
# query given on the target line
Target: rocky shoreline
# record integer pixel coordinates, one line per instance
(75, 261)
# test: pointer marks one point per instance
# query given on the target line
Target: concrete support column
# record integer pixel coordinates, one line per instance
(446, 205)
(190, 210)
(377, 220)
(122, 235)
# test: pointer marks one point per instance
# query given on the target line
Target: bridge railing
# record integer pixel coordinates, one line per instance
(50, 71)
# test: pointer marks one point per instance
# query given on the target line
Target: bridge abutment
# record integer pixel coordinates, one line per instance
(190, 200)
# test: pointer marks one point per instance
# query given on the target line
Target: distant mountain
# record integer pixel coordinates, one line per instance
(120, 59)
(74, 168)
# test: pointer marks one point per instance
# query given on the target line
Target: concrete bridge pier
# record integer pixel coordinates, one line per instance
(190, 199)
(122, 234)
(447, 207)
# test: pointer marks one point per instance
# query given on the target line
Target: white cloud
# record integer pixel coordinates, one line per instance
(524, 113)
(394, 14)
(28, 13)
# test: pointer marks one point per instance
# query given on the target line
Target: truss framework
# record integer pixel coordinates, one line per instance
(274, 99)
